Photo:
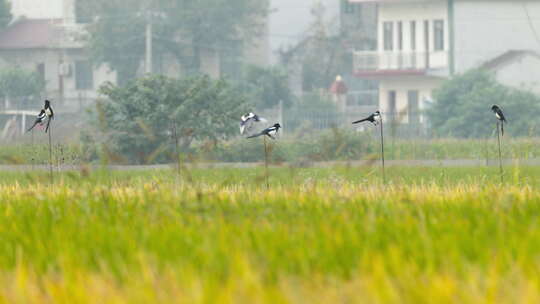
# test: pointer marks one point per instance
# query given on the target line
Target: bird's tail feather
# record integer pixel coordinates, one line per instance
(502, 128)
(255, 135)
(32, 127)
(359, 121)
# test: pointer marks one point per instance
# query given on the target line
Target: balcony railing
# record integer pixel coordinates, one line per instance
(380, 61)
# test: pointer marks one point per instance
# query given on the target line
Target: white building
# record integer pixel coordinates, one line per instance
(423, 42)
(44, 37)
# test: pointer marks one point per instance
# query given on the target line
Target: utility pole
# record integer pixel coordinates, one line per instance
(149, 32)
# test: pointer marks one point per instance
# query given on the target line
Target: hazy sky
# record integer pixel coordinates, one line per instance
(291, 18)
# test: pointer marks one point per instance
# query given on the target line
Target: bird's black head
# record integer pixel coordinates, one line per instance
(495, 108)
(277, 126)
(377, 113)
(47, 103)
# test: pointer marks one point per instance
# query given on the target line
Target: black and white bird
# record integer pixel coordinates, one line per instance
(49, 112)
(40, 119)
(374, 118)
(247, 120)
(270, 132)
(499, 115)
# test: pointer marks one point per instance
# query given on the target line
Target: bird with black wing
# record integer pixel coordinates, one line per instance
(247, 121)
(270, 132)
(40, 119)
(500, 116)
(49, 112)
(374, 118)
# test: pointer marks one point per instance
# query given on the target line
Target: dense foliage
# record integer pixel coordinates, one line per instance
(463, 107)
(5, 13)
(139, 119)
(266, 87)
(182, 29)
(16, 82)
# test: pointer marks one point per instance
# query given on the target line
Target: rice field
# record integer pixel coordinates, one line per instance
(430, 235)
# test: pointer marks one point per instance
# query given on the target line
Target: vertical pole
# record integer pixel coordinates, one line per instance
(176, 150)
(32, 149)
(23, 123)
(382, 151)
(50, 154)
(486, 150)
(266, 162)
(148, 61)
(280, 114)
(500, 155)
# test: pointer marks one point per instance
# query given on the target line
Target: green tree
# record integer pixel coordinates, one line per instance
(182, 29)
(138, 119)
(5, 13)
(266, 86)
(17, 82)
(463, 107)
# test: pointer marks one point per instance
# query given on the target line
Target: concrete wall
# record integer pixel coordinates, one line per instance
(523, 74)
(419, 12)
(30, 59)
(424, 85)
(38, 9)
(486, 29)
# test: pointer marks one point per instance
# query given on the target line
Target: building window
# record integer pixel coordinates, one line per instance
(84, 75)
(388, 28)
(348, 8)
(413, 35)
(438, 35)
(413, 109)
(392, 107)
(400, 35)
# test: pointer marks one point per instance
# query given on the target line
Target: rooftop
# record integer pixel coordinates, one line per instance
(37, 34)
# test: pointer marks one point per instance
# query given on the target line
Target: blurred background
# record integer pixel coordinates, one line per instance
(140, 81)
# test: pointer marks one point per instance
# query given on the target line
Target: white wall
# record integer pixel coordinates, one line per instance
(523, 74)
(38, 9)
(486, 29)
(424, 85)
(407, 12)
(29, 60)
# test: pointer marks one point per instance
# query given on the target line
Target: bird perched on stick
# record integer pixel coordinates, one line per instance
(499, 115)
(39, 119)
(50, 114)
(374, 118)
(270, 132)
(247, 120)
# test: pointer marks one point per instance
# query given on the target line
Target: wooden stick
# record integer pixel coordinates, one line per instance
(33, 152)
(176, 149)
(500, 155)
(50, 153)
(266, 162)
(382, 152)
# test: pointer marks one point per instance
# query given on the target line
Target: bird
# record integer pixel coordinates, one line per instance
(374, 118)
(499, 115)
(270, 132)
(247, 120)
(49, 112)
(39, 119)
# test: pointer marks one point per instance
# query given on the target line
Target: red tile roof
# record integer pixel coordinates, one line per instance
(32, 34)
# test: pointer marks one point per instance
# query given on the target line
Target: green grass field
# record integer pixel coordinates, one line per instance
(431, 235)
